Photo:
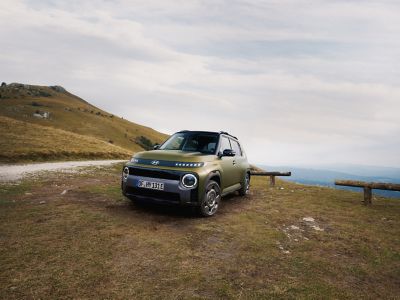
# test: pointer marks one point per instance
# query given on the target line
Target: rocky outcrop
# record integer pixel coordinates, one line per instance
(18, 90)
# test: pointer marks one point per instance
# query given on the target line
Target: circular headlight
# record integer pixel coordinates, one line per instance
(125, 173)
(189, 180)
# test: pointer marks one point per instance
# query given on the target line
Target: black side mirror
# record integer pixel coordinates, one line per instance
(156, 146)
(227, 152)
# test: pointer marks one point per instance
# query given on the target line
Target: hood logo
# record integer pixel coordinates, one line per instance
(155, 162)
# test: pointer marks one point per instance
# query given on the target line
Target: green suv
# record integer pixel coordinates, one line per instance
(190, 168)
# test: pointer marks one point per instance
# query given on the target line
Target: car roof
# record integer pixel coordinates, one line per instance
(210, 132)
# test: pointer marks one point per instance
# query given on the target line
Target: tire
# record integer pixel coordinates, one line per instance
(211, 200)
(245, 189)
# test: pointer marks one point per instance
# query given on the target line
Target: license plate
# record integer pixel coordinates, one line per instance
(151, 185)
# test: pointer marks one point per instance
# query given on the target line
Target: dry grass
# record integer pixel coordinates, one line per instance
(93, 243)
(71, 114)
(23, 141)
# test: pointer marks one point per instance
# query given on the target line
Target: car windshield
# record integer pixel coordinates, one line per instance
(192, 142)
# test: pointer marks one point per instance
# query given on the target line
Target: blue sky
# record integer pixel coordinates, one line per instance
(299, 82)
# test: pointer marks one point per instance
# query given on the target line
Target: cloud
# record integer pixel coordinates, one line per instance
(310, 82)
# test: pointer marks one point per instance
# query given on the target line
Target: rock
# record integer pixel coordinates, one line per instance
(317, 228)
(293, 227)
(64, 192)
(281, 188)
(286, 251)
(42, 202)
(308, 219)
(58, 88)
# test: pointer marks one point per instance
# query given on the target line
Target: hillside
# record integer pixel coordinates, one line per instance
(55, 108)
(24, 142)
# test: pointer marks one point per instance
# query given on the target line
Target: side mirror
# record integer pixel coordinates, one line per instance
(156, 146)
(227, 152)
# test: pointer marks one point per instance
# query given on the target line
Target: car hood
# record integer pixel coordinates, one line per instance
(175, 155)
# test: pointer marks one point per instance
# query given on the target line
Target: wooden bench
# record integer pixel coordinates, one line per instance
(368, 187)
(271, 175)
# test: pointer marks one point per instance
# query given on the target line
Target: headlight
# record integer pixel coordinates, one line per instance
(125, 173)
(189, 180)
(192, 165)
(134, 160)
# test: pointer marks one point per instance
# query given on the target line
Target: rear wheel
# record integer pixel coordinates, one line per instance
(211, 199)
(245, 190)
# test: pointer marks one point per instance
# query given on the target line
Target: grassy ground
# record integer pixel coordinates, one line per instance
(92, 243)
(30, 142)
(70, 114)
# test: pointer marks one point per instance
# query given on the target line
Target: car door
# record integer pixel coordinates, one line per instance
(227, 163)
(239, 162)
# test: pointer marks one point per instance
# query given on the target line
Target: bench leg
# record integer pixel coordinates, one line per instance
(272, 180)
(367, 196)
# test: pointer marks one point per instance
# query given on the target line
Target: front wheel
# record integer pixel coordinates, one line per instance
(245, 189)
(211, 200)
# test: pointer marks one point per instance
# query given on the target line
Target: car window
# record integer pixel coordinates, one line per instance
(192, 142)
(224, 144)
(236, 147)
(175, 142)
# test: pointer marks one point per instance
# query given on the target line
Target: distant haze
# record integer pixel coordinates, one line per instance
(299, 82)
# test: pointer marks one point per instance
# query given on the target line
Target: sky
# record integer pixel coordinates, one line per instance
(298, 82)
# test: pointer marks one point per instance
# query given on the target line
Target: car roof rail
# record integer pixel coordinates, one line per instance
(224, 132)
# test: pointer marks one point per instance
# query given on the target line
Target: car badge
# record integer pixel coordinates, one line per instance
(155, 162)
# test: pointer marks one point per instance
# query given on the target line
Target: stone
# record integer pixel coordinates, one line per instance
(308, 219)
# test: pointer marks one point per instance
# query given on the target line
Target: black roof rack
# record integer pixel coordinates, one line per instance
(224, 132)
(221, 132)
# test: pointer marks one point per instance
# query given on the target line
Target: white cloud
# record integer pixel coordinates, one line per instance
(297, 81)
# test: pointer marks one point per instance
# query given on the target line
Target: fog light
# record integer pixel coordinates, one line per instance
(189, 180)
(125, 173)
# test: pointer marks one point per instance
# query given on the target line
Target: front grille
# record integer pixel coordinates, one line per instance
(163, 174)
(167, 196)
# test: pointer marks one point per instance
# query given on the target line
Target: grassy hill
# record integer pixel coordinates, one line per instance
(42, 109)
(24, 142)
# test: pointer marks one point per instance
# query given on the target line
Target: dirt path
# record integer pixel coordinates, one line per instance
(16, 172)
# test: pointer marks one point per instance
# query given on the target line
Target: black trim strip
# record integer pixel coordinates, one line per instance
(167, 163)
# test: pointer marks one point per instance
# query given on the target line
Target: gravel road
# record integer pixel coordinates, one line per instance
(16, 172)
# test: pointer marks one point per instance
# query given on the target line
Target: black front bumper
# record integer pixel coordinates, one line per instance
(173, 191)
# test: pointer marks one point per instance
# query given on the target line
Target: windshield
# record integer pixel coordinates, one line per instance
(192, 142)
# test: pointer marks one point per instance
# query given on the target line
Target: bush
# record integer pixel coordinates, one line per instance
(44, 94)
(144, 142)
